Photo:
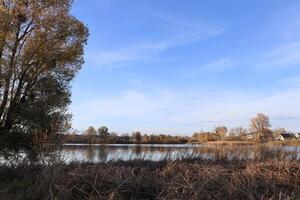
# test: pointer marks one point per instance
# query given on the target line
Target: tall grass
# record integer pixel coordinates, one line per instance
(270, 174)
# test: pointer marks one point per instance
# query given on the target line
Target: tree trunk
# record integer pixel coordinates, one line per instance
(7, 79)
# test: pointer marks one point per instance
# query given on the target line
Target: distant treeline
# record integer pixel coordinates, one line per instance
(259, 131)
(91, 136)
(113, 138)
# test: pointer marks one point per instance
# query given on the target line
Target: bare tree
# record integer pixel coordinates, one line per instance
(238, 131)
(260, 125)
(137, 137)
(91, 133)
(41, 48)
(103, 133)
(221, 131)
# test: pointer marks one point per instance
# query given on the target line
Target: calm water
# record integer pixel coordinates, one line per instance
(103, 153)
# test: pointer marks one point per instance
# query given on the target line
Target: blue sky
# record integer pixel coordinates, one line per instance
(182, 66)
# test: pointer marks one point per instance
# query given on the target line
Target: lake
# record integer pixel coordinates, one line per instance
(104, 153)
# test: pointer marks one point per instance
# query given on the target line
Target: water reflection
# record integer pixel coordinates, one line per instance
(90, 153)
(103, 153)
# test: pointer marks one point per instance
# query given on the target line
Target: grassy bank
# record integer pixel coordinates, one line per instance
(295, 143)
(230, 143)
(141, 179)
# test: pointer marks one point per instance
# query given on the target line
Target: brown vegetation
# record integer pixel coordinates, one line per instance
(257, 172)
(294, 143)
(180, 179)
(134, 138)
(230, 143)
(41, 51)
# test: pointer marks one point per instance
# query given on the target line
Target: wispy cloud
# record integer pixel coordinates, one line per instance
(219, 64)
(128, 54)
(184, 24)
(285, 55)
(183, 35)
(216, 66)
(295, 80)
(287, 23)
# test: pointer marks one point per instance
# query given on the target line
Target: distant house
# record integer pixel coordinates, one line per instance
(255, 136)
(251, 136)
(287, 136)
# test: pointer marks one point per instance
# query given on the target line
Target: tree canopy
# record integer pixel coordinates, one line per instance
(41, 50)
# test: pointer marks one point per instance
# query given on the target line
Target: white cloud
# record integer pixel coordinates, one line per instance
(185, 112)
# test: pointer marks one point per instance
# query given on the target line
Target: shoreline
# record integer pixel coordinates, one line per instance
(210, 143)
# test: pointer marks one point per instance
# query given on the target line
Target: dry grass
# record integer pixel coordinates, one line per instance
(230, 143)
(295, 143)
(140, 179)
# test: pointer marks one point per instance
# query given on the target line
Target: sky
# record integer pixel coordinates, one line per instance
(177, 67)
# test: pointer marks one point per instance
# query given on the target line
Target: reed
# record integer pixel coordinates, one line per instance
(269, 176)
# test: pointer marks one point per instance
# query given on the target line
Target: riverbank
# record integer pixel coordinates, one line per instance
(295, 143)
(142, 179)
(229, 143)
